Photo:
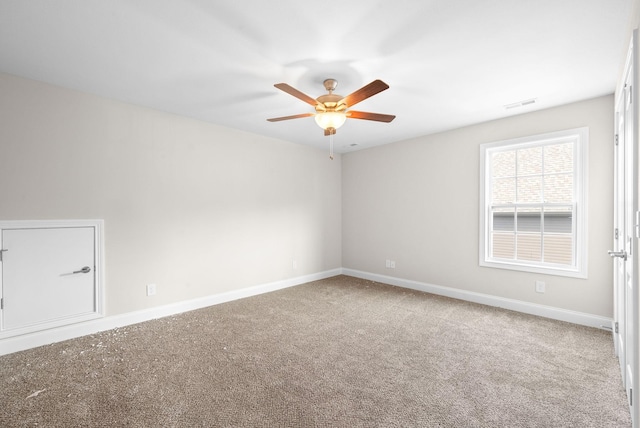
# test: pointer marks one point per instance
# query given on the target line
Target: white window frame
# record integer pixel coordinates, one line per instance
(580, 137)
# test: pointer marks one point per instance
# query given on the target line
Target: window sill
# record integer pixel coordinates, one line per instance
(557, 271)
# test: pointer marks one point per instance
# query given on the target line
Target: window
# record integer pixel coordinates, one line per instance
(533, 203)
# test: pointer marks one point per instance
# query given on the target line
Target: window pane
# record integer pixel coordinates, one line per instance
(558, 235)
(503, 245)
(503, 164)
(503, 191)
(558, 249)
(529, 189)
(558, 188)
(529, 246)
(504, 219)
(558, 158)
(558, 220)
(530, 161)
(530, 220)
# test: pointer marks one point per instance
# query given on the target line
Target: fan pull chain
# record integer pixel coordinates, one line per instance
(331, 146)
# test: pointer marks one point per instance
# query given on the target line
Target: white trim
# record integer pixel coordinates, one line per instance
(40, 338)
(489, 300)
(32, 340)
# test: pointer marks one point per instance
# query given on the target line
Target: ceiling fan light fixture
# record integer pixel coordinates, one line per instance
(332, 109)
(330, 119)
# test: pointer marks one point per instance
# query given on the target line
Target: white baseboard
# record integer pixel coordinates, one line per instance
(486, 299)
(45, 337)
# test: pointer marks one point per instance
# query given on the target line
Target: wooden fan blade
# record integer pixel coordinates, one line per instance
(378, 117)
(296, 93)
(363, 93)
(295, 116)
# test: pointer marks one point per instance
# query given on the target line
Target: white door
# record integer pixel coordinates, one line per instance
(48, 277)
(627, 232)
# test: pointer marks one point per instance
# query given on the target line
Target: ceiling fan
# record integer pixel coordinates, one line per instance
(332, 110)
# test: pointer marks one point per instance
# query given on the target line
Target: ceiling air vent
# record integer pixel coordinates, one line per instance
(521, 103)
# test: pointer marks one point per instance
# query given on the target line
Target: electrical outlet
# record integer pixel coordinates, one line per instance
(151, 289)
(540, 287)
(392, 264)
(294, 264)
(388, 263)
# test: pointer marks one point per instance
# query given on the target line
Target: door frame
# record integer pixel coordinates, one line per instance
(619, 237)
(98, 235)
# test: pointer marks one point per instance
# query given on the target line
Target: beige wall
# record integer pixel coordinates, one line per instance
(200, 209)
(196, 208)
(416, 202)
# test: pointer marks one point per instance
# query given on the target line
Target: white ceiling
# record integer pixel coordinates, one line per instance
(449, 63)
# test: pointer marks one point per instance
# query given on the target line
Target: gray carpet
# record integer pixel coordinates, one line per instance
(341, 352)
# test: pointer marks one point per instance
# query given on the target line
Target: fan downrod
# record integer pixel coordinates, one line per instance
(330, 84)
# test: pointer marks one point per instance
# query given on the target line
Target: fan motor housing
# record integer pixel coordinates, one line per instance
(329, 102)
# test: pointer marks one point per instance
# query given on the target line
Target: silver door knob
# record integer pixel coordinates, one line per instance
(622, 254)
(85, 269)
